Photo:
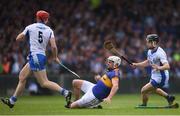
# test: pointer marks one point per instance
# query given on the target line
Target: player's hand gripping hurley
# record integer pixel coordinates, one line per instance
(109, 46)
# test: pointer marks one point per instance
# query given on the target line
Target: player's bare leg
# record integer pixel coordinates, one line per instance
(20, 87)
(170, 99)
(161, 92)
(77, 88)
(22, 80)
(42, 79)
(145, 92)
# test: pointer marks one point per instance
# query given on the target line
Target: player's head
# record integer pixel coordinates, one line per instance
(42, 16)
(113, 62)
(152, 40)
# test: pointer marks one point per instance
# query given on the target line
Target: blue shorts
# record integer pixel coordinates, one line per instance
(37, 62)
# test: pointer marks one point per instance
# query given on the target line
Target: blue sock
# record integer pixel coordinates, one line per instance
(13, 99)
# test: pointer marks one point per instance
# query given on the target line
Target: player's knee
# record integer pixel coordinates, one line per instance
(143, 90)
(22, 77)
(43, 84)
(76, 83)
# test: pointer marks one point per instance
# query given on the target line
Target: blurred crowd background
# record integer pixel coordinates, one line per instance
(82, 26)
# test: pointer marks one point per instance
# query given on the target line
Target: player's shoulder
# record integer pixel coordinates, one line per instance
(113, 73)
(30, 25)
(161, 51)
(33, 25)
(49, 28)
(160, 48)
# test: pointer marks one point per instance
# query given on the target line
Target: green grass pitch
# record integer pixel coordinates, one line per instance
(54, 105)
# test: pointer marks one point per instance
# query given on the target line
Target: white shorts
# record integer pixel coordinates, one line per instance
(88, 100)
(160, 80)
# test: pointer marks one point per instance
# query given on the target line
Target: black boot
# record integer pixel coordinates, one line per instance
(7, 102)
(142, 105)
(170, 99)
(68, 99)
(97, 107)
(68, 104)
(68, 96)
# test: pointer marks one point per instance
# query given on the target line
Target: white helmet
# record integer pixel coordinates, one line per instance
(115, 59)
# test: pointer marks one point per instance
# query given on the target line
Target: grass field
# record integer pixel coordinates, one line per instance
(54, 105)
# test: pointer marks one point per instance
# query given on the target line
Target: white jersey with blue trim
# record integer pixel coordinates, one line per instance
(39, 35)
(157, 57)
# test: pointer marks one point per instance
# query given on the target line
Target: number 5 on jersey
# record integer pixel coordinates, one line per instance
(40, 36)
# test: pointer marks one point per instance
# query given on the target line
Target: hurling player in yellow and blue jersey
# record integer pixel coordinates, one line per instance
(105, 88)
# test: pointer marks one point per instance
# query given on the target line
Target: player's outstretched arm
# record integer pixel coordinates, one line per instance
(54, 50)
(115, 87)
(20, 37)
(141, 64)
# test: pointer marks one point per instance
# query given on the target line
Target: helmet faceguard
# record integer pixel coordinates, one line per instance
(152, 37)
(115, 59)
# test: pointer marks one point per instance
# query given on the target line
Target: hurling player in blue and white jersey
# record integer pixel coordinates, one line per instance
(105, 88)
(38, 34)
(157, 59)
